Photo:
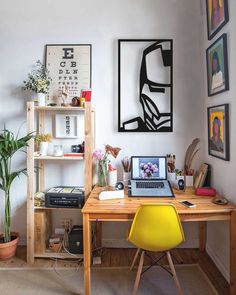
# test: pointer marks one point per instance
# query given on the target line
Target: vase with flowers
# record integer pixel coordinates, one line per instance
(102, 162)
(38, 82)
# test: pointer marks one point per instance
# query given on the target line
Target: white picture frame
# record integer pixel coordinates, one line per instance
(66, 126)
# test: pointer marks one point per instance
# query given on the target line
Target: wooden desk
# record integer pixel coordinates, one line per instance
(124, 210)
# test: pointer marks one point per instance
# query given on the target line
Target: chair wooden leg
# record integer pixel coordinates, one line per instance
(179, 290)
(135, 258)
(137, 280)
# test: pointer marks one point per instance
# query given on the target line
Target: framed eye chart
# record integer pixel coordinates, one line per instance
(69, 67)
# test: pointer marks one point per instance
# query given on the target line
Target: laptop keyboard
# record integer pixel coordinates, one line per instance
(150, 184)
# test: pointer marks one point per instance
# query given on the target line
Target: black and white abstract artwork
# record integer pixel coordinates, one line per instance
(145, 85)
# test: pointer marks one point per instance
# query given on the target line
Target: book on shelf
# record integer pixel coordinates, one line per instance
(201, 175)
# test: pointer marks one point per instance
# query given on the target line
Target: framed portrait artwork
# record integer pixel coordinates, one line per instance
(217, 16)
(145, 85)
(69, 67)
(218, 131)
(217, 66)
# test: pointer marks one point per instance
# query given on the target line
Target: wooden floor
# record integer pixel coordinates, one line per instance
(123, 257)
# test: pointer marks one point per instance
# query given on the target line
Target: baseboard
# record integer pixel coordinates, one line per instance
(224, 271)
(123, 243)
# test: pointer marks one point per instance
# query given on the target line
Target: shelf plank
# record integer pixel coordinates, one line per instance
(51, 208)
(50, 254)
(58, 158)
(60, 108)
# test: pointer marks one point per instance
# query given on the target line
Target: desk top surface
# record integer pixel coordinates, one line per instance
(129, 205)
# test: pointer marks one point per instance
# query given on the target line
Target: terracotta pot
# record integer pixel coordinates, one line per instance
(8, 250)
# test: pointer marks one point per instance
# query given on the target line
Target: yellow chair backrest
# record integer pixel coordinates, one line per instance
(156, 227)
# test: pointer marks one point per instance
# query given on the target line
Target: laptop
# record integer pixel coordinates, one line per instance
(149, 177)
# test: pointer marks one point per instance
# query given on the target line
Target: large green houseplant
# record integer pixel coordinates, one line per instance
(9, 145)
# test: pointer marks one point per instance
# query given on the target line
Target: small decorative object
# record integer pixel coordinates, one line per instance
(38, 82)
(42, 142)
(218, 131)
(102, 162)
(69, 65)
(58, 150)
(149, 91)
(189, 156)
(217, 66)
(66, 126)
(75, 101)
(126, 173)
(9, 145)
(82, 102)
(217, 16)
(87, 94)
(64, 96)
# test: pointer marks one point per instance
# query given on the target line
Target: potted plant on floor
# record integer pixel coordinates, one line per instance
(38, 82)
(9, 145)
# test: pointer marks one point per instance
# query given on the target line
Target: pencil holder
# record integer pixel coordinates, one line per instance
(126, 178)
(188, 179)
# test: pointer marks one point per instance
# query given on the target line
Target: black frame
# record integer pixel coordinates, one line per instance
(72, 45)
(226, 73)
(226, 156)
(226, 19)
(165, 129)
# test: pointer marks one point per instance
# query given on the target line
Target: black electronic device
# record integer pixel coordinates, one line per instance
(181, 184)
(65, 197)
(188, 204)
(75, 238)
(120, 185)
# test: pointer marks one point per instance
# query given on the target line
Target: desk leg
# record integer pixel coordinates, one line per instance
(202, 235)
(87, 253)
(233, 253)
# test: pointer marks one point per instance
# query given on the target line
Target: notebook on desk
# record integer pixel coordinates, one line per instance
(149, 177)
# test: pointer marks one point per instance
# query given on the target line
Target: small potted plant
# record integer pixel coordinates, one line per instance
(38, 82)
(42, 141)
(9, 145)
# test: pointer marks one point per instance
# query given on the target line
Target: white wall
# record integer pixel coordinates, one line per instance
(26, 27)
(223, 177)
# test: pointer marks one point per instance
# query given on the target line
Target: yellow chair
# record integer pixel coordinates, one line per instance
(156, 227)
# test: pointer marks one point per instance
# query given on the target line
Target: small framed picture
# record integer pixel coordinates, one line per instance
(217, 66)
(218, 131)
(217, 16)
(66, 126)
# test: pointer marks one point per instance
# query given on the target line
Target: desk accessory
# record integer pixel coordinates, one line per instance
(112, 177)
(205, 191)
(119, 185)
(126, 173)
(188, 204)
(220, 201)
(109, 195)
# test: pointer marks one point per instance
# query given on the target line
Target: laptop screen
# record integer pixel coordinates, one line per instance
(148, 168)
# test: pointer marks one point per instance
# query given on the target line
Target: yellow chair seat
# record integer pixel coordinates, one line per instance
(156, 227)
